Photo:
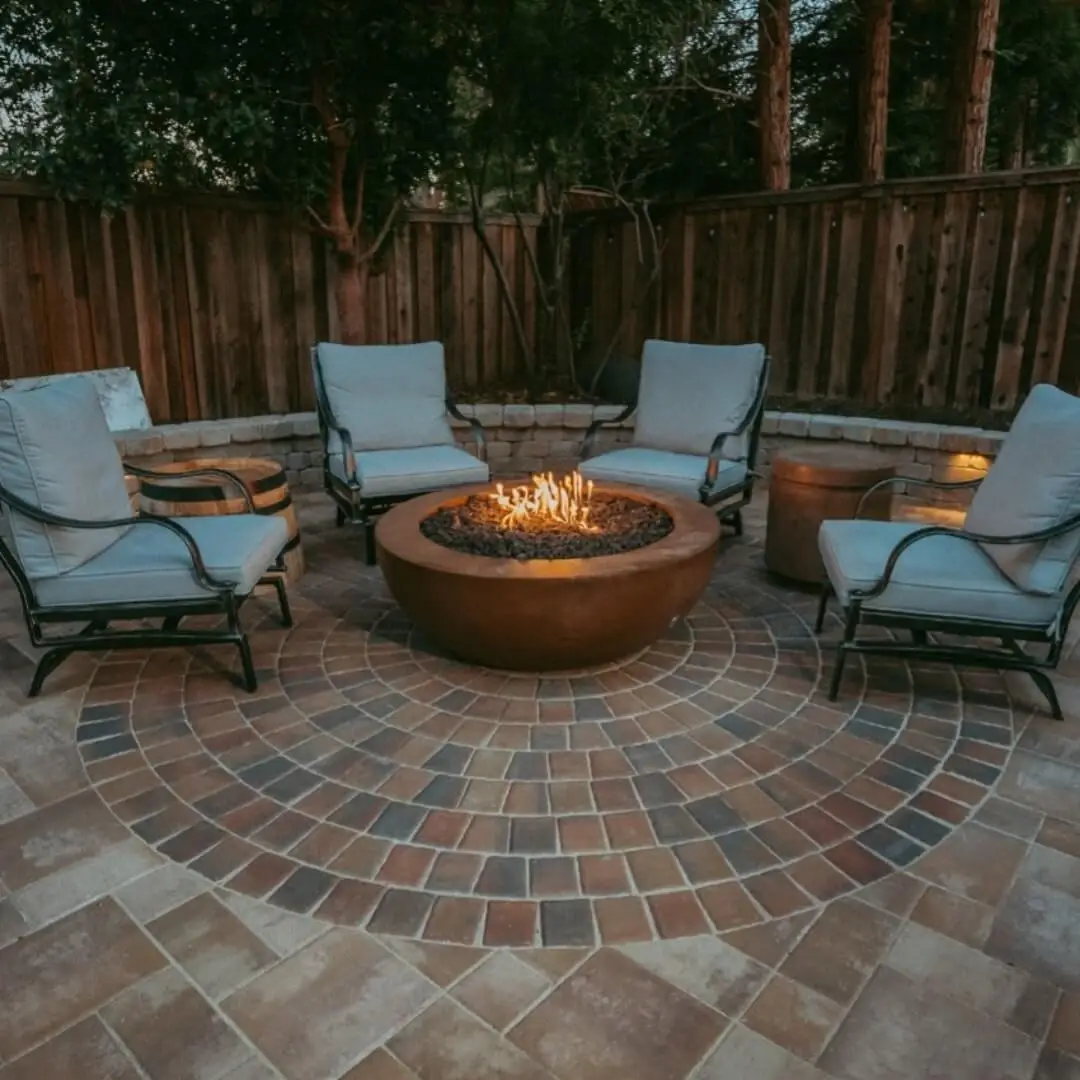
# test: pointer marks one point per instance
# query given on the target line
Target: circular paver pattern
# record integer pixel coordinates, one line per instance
(704, 784)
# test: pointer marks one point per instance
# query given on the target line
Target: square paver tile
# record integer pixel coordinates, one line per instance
(975, 862)
(501, 989)
(55, 837)
(838, 953)
(974, 979)
(1038, 930)
(446, 1043)
(86, 1051)
(322, 1008)
(898, 1030)
(172, 1032)
(211, 944)
(705, 967)
(52, 977)
(745, 1055)
(49, 897)
(614, 1020)
(794, 1016)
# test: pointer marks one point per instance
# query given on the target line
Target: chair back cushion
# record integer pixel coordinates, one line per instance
(691, 393)
(1034, 484)
(56, 453)
(390, 397)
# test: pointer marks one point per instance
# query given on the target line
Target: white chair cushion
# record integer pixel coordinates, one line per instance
(940, 577)
(689, 394)
(390, 397)
(1034, 484)
(409, 472)
(56, 453)
(150, 564)
(678, 473)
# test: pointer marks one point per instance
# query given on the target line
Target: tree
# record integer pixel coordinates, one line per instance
(774, 92)
(969, 91)
(874, 89)
(340, 106)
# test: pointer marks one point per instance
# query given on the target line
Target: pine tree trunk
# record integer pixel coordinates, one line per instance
(969, 95)
(874, 89)
(774, 92)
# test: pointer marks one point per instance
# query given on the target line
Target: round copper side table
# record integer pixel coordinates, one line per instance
(814, 484)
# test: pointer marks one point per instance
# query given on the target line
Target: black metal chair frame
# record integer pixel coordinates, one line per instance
(1009, 656)
(96, 635)
(352, 506)
(729, 513)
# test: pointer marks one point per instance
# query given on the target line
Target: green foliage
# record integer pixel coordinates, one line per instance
(108, 94)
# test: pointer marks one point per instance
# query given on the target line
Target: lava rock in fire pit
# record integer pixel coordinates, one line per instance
(616, 524)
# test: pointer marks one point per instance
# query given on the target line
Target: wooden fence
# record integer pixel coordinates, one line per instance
(927, 296)
(215, 302)
(951, 295)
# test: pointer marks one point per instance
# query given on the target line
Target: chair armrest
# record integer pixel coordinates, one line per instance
(220, 474)
(44, 517)
(328, 423)
(757, 407)
(596, 425)
(1051, 533)
(475, 427)
(941, 485)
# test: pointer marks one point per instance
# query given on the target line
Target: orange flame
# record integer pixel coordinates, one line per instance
(547, 501)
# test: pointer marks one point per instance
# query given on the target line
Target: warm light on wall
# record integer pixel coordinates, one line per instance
(975, 462)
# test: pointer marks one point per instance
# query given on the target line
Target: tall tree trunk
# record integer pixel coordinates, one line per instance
(969, 95)
(874, 89)
(350, 288)
(774, 92)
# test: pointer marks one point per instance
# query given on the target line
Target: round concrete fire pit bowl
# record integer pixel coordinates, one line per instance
(546, 614)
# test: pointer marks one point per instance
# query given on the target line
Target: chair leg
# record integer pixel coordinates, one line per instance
(170, 623)
(737, 522)
(1046, 686)
(46, 666)
(339, 517)
(823, 607)
(283, 601)
(247, 664)
(369, 542)
(851, 624)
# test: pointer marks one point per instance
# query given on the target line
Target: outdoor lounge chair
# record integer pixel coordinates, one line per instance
(1009, 574)
(77, 555)
(386, 437)
(697, 427)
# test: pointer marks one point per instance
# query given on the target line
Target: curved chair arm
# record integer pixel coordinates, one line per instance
(1051, 533)
(44, 517)
(596, 425)
(475, 427)
(757, 407)
(329, 423)
(220, 474)
(940, 485)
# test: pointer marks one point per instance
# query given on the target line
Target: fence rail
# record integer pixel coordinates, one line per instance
(945, 294)
(953, 293)
(215, 301)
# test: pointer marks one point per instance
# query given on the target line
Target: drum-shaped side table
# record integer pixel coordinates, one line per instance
(814, 484)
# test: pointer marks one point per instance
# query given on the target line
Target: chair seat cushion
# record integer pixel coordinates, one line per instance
(944, 577)
(678, 473)
(408, 472)
(150, 564)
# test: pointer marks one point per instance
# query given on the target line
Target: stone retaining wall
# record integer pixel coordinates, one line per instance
(527, 438)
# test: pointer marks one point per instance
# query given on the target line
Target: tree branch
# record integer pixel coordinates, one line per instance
(384, 232)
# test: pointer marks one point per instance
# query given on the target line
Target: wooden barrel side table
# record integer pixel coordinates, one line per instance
(184, 495)
(814, 484)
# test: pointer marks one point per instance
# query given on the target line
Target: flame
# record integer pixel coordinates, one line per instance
(547, 501)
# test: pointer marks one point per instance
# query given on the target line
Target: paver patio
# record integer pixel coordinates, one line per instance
(389, 866)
